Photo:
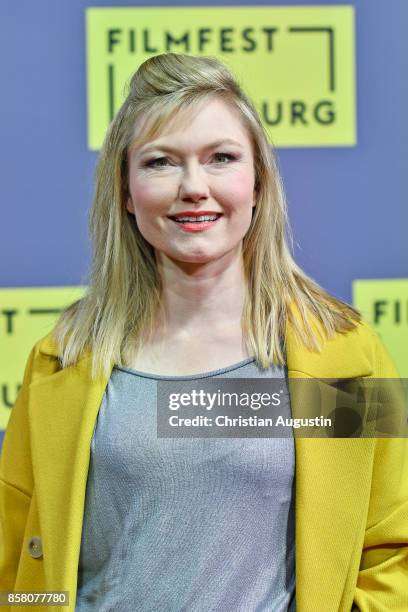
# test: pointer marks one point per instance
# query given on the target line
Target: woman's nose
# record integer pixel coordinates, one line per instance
(193, 184)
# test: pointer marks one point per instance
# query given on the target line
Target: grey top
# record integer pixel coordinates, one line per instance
(190, 524)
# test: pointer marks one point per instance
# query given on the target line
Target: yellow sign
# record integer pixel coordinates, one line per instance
(384, 304)
(26, 315)
(297, 63)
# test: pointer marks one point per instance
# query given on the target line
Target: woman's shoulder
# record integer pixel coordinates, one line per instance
(365, 338)
(46, 346)
(358, 351)
(373, 345)
(44, 358)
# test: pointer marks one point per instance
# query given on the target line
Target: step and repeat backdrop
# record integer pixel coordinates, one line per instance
(325, 78)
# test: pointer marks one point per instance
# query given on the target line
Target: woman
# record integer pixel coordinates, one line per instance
(192, 278)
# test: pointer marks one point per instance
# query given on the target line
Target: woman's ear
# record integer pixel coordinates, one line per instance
(129, 205)
(255, 194)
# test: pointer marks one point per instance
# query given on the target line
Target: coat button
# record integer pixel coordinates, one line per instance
(35, 547)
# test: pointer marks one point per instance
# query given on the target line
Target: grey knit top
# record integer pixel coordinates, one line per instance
(192, 524)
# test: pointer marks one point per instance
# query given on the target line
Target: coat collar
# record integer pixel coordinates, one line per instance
(63, 411)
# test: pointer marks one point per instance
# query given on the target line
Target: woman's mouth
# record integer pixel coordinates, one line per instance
(195, 223)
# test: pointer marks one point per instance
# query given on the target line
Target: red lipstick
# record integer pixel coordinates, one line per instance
(195, 220)
(195, 213)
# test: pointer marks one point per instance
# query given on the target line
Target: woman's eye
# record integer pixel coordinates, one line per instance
(162, 162)
(152, 163)
(227, 155)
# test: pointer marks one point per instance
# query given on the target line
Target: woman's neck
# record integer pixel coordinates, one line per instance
(202, 299)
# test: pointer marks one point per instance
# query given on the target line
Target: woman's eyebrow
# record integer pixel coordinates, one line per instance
(211, 145)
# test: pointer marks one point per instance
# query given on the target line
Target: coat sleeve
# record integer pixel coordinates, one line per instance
(16, 483)
(382, 583)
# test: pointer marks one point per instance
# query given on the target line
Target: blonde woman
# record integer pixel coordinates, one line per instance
(192, 279)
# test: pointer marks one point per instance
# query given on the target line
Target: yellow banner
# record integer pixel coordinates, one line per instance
(297, 63)
(26, 315)
(384, 304)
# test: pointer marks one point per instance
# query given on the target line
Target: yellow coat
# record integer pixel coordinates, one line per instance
(351, 494)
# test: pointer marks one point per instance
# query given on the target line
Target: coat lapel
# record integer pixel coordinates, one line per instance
(332, 482)
(63, 412)
(331, 496)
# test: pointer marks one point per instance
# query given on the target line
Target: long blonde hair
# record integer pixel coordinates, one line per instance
(118, 312)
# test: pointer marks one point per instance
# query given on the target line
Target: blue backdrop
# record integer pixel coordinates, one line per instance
(348, 206)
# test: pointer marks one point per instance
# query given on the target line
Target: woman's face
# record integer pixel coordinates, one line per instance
(201, 165)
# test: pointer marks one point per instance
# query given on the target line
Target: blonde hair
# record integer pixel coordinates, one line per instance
(118, 312)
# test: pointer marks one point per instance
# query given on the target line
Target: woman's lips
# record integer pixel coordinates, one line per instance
(195, 226)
